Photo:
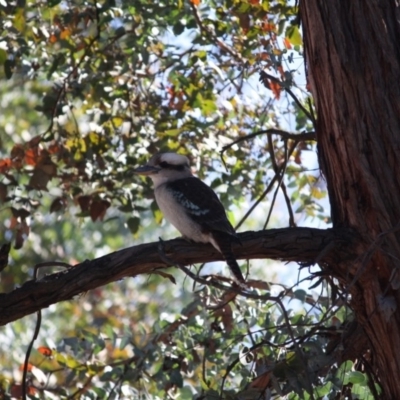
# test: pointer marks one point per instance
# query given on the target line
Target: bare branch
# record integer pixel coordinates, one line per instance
(268, 188)
(298, 137)
(264, 75)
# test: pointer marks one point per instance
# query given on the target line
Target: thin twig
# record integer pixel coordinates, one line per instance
(298, 137)
(38, 321)
(266, 191)
(280, 184)
(288, 91)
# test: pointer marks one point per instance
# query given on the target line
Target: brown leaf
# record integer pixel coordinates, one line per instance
(84, 202)
(17, 156)
(4, 251)
(244, 21)
(262, 381)
(17, 151)
(13, 222)
(257, 284)
(46, 165)
(34, 142)
(3, 192)
(98, 209)
(39, 179)
(19, 240)
(21, 234)
(20, 212)
(54, 148)
(16, 390)
(227, 318)
(57, 204)
(165, 275)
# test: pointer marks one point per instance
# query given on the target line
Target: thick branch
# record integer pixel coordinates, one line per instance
(304, 245)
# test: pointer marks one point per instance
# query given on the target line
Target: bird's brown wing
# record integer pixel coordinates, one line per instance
(202, 204)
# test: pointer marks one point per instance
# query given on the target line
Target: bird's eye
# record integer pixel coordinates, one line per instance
(164, 164)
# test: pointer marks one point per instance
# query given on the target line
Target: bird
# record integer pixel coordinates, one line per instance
(191, 205)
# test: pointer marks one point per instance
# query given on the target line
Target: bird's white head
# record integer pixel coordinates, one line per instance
(165, 167)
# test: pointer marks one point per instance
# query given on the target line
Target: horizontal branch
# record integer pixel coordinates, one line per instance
(305, 245)
(298, 137)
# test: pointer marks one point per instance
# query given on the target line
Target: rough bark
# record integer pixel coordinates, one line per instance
(305, 245)
(353, 60)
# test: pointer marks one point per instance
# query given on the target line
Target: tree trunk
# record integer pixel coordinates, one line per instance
(353, 60)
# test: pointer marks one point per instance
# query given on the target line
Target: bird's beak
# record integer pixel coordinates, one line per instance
(146, 170)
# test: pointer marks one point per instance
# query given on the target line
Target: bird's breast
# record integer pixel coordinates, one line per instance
(176, 214)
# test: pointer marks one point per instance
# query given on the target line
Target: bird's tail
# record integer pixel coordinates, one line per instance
(223, 243)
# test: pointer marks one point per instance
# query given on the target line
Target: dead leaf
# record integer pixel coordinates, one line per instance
(3, 192)
(58, 204)
(98, 209)
(4, 251)
(39, 179)
(84, 202)
(165, 275)
(262, 381)
(16, 390)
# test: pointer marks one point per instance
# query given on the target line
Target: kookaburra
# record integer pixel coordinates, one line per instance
(190, 205)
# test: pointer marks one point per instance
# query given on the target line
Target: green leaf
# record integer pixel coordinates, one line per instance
(356, 377)
(293, 33)
(3, 56)
(133, 224)
(300, 294)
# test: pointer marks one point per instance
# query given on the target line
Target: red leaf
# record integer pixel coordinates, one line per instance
(5, 165)
(275, 87)
(31, 156)
(268, 26)
(287, 43)
(16, 390)
(29, 367)
(46, 351)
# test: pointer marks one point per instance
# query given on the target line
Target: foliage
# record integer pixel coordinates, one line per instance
(89, 90)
